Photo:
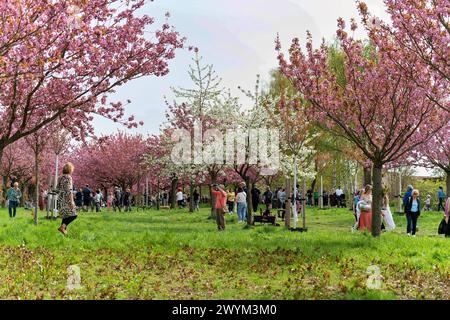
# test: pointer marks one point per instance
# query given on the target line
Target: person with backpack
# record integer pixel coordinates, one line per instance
(412, 211)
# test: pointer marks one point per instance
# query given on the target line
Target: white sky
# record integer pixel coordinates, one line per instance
(237, 37)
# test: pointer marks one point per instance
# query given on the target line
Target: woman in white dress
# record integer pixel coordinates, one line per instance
(386, 212)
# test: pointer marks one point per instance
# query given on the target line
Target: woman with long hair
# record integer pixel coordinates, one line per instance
(386, 212)
(66, 203)
(365, 206)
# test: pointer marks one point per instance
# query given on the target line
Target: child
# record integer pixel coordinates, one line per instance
(428, 203)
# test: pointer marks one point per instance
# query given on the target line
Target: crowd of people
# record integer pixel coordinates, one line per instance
(234, 200)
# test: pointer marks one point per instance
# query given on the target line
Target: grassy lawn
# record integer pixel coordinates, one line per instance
(177, 255)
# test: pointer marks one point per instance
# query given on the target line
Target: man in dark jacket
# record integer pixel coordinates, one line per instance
(268, 198)
(256, 194)
(117, 203)
(86, 198)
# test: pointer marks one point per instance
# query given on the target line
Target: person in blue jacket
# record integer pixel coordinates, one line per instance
(407, 195)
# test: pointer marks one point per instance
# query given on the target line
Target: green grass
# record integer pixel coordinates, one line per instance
(177, 255)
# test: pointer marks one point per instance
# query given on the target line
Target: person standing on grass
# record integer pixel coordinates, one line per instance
(365, 206)
(117, 202)
(412, 210)
(196, 200)
(446, 216)
(66, 203)
(427, 203)
(267, 198)
(441, 198)
(256, 195)
(127, 200)
(316, 198)
(13, 196)
(339, 195)
(241, 202)
(231, 198)
(180, 198)
(386, 212)
(356, 199)
(86, 198)
(408, 193)
(98, 201)
(79, 198)
(221, 202)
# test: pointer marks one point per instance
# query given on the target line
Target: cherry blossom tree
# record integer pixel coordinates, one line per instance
(419, 33)
(288, 112)
(37, 143)
(379, 108)
(61, 64)
(205, 106)
(436, 153)
(114, 160)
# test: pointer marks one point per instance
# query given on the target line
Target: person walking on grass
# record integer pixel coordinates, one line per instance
(441, 198)
(221, 202)
(412, 210)
(66, 203)
(13, 196)
(241, 202)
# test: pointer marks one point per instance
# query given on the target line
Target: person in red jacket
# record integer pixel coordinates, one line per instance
(221, 201)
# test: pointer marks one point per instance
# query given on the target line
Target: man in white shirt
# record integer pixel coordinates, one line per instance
(180, 198)
(339, 194)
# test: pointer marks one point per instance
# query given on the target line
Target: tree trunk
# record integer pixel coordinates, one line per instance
(367, 177)
(212, 197)
(313, 184)
(36, 168)
(191, 195)
(249, 202)
(158, 195)
(304, 203)
(3, 191)
(173, 193)
(448, 183)
(377, 197)
(287, 204)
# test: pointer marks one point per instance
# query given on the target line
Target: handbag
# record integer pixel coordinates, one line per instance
(225, 209)
(442, 229)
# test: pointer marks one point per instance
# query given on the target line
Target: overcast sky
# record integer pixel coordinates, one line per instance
(237, 37)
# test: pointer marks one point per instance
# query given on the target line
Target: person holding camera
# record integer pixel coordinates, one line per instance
(221, 202)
